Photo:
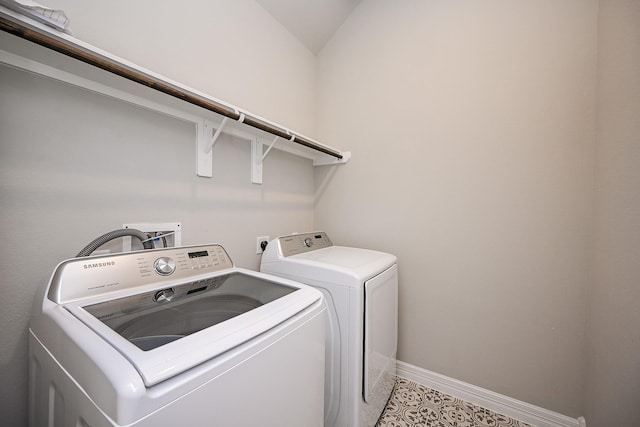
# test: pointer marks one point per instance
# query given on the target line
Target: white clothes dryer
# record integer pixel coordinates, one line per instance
(360, 287)
(175, 337)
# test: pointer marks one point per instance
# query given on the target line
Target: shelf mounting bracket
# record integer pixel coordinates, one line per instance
(256, 160)
(204, 129)
(264, 156)
(204, 160)
(216, 135)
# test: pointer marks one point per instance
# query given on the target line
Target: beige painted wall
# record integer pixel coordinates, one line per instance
(74, 165)
(233, 50)
(472, 127)
(613, 381)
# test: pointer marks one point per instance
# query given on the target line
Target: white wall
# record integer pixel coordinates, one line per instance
(473, 121)
(74, 165)
(233, 50)
(472, 131)
(613, 381)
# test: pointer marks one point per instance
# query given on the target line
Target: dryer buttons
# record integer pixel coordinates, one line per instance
(308, 242)
(164, 266)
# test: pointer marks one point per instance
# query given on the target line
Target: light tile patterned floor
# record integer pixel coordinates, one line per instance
(413, 405)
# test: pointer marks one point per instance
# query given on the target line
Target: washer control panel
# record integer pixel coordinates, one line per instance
(300, 243)
(91, 276)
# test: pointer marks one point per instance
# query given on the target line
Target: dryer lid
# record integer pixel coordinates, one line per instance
(321, 261)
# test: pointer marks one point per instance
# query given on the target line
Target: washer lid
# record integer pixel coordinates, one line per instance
(168, 330)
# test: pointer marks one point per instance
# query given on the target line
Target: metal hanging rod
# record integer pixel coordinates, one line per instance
(68, 48)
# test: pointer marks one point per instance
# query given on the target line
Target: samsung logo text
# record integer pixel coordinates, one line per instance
(99, 264)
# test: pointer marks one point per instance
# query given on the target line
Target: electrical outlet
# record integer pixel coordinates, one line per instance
(164, 234)
(259, 241)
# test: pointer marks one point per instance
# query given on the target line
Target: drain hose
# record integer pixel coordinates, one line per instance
(96, 243)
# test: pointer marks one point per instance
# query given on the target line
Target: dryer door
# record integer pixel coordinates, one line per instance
(380, 333)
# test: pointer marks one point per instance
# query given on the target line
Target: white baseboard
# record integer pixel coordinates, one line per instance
(534, 415)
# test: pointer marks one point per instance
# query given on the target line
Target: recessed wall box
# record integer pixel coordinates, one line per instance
(162, 234)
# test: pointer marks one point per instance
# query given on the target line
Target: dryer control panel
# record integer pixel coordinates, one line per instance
(300, 243)
(85, 277)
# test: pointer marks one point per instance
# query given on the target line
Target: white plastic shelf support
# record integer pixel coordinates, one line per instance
(256, 161)
(204, 146)
(266, 153)
(206, 142)
(217, 134)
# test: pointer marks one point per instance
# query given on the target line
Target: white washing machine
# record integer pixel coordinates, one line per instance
(175, 337)
(360, 287)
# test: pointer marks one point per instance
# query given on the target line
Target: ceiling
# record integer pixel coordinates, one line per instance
(313, 22)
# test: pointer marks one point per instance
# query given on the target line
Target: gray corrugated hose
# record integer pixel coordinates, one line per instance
(96, 243)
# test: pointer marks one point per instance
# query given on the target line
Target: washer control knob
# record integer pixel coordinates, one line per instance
(308, 242)
(164, 266)
(164, 295)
